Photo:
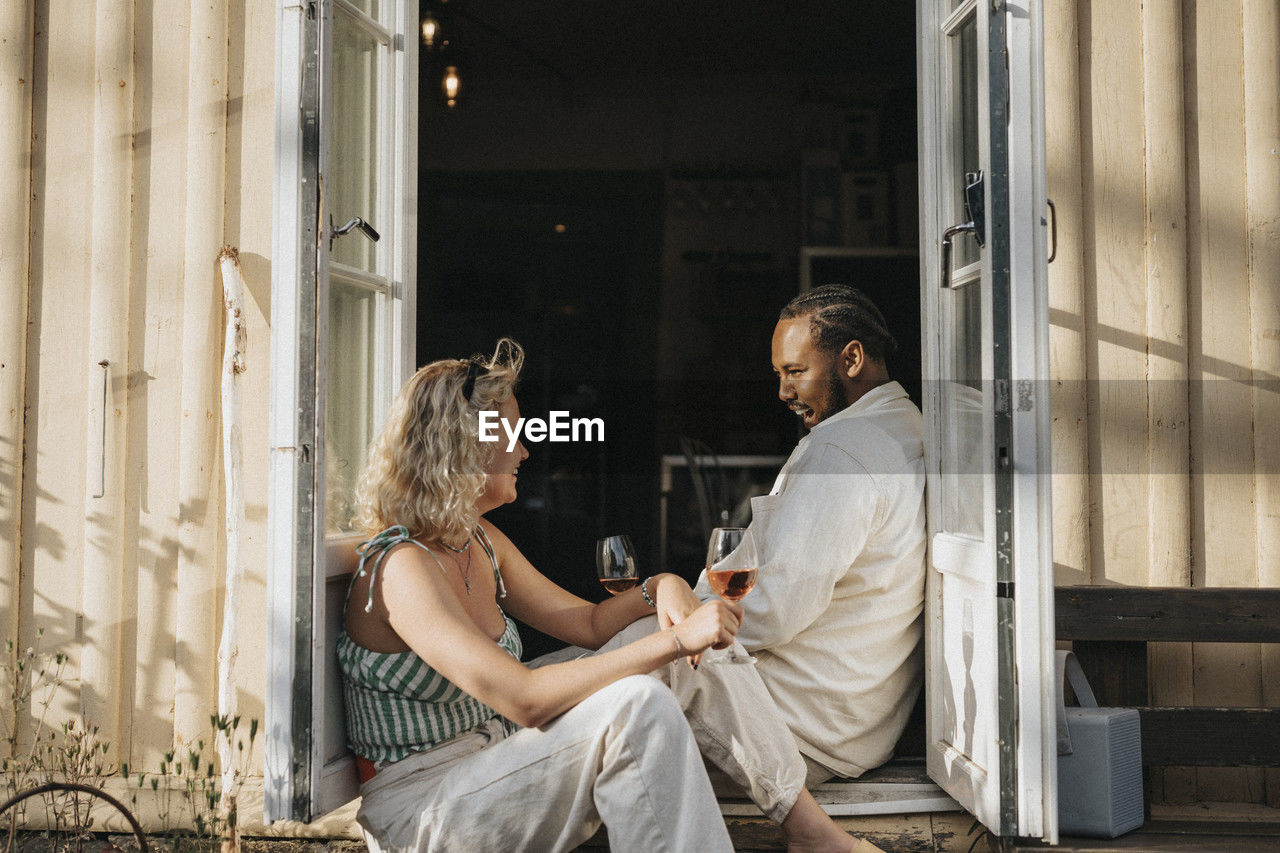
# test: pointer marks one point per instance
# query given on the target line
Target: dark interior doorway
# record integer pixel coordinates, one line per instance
(563, 263)
(628, 190)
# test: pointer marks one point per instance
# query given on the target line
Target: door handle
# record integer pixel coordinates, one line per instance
(975, 209)
(947, 237)
(1053, 231)
(355, 223)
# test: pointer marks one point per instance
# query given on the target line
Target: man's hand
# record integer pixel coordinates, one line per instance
(674, 598)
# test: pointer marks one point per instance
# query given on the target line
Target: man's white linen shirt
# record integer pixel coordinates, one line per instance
(836, 617)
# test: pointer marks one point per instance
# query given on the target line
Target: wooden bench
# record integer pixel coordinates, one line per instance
(1109, 628)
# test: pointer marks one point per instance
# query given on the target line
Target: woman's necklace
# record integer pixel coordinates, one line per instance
(466, 573)
(464, 546)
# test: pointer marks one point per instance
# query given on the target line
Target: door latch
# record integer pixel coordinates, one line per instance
(976, 211)
(355, 223)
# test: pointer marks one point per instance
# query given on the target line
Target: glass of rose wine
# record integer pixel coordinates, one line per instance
(732, 565)
(616, 564)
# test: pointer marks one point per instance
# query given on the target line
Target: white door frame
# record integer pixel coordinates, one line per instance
(292, 542)
(1012, 563)
(297, 785)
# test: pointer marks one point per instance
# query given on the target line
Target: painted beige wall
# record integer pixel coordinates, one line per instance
(1164, 163)
(149, 126)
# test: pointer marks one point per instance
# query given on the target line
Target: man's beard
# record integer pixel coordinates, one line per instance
(838, 393)
(837, 399)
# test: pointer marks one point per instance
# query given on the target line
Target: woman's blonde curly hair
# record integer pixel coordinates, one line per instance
(425, 469)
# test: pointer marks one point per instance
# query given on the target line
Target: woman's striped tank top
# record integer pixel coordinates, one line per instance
(396, 704)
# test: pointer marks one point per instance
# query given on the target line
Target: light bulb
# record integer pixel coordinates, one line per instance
(451, 84)
(430, 30)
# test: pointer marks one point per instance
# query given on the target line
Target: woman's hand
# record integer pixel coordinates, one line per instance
(712, 626)
(674, 599)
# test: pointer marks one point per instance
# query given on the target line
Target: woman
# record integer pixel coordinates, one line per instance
(465, 748)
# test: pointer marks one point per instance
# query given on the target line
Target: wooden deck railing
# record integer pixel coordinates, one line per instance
(1109, 628)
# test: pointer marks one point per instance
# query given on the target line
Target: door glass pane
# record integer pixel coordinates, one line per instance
(350, 398)
(962, 419)
(965, 46)
(355, 139)
(961, 395)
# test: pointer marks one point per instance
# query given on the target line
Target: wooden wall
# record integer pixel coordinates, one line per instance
(142, 133)
(1164, 164)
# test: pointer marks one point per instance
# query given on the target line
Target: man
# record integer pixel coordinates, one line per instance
(835, 620)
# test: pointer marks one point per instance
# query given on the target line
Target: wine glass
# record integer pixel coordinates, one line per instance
(616, 564)
(732, 566)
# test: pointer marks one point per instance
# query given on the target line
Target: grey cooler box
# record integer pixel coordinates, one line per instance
(1099, 762)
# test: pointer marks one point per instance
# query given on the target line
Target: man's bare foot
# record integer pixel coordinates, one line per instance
(811, 830)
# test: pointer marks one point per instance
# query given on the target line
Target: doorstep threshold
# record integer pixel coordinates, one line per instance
(851, 798)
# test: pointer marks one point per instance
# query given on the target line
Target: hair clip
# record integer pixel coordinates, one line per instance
(474, 370)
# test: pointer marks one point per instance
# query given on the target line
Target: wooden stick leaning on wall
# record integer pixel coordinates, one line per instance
(233, 365)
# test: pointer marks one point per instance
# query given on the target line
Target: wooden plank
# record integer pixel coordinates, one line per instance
(1167, 838)
(53, 498)
(1115, 310)
(1221, 828)
(1168, 445)
(17, 35)
(1168, 614)
(110, 283)
(906, 770)
(1224, 549)
(155, 413)
(1211, 737)
(1117, 672)
(863, 801)
(901, 786)
(1168, 436)
(897, 833)
(1262, 140)
(1067, 341)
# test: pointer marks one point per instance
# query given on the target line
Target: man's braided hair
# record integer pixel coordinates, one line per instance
(838, 314)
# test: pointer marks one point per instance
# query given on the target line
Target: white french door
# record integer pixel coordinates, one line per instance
(342, 343)
(989, 635)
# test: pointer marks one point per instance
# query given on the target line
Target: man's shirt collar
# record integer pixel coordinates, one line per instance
(877, 396)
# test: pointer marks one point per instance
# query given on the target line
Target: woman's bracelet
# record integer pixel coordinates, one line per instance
(680, 652)
(644, 591)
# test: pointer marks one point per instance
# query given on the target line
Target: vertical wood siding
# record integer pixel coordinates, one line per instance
(1262, 168)
(1169, 449)
(17, 22)
(150, 124)
(1164, 163)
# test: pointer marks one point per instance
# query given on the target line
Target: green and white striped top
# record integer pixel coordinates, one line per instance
(396, 703)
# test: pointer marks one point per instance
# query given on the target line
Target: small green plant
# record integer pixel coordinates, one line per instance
(188, 787)
(36, 753)
(30, 673)
(81, 759)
